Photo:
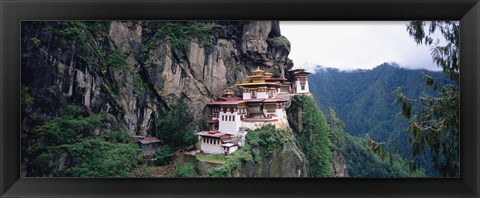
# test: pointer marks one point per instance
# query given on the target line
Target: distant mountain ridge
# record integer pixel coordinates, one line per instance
(365, 99)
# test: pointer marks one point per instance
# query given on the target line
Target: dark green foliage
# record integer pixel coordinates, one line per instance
(97, 158)
(363, 163)
(116, 60)
(279, 41)
(26, 97)
(179, 32)
(365, 101)
(117, 136)
(184, 170)
(162, 155)
(435, 125)
(266, 139)
(337, 132)
(314, 138)
(234, 162)
(67, 145)
(70, 126)
(174, 127)
(360, 161)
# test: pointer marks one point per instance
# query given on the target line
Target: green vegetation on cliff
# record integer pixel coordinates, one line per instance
(174, 127)
(265, 139)
(179, 32)
(365, 101)
(314, 137)
(75, 143)
(360, 161)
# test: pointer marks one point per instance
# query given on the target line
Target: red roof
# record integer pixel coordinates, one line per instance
(212, 121)
(266, 100)
(213, 134)
(229, 102)
(228, 98)
(149, 140)
(299, 71)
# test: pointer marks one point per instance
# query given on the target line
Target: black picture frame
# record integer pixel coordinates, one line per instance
(13, 12)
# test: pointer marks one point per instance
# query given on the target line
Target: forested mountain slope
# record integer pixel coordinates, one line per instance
(365, 99)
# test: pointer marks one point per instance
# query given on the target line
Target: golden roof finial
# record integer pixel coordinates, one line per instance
(228, 92)
(258, 71)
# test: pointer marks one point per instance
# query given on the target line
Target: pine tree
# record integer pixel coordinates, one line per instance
(434, 120)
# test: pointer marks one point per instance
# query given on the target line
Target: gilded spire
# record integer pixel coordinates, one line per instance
(228, 93)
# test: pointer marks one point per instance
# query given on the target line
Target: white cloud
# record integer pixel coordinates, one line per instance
(352, 45)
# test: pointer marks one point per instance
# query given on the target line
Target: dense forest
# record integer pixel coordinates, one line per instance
(365, 101)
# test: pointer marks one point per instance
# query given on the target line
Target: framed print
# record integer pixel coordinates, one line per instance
(151, 98)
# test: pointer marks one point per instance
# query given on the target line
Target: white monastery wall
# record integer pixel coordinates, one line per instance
(229, 127)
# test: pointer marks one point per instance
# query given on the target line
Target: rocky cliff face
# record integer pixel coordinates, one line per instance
(81, 63)
(127, 70)
(287, 160)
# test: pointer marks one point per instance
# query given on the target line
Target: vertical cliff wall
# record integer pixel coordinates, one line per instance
(127, 69)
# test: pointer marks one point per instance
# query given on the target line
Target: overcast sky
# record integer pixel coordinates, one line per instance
(352, 45)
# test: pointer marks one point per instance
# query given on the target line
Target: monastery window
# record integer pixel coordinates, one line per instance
(229, 118)
(233, 118)
(303, 87)
(270, 108)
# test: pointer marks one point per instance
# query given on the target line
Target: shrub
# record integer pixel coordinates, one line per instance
(161, 155)
(184, 170)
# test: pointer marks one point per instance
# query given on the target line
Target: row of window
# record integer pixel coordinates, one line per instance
(228, 118)
(228, 109)
(211, 141)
